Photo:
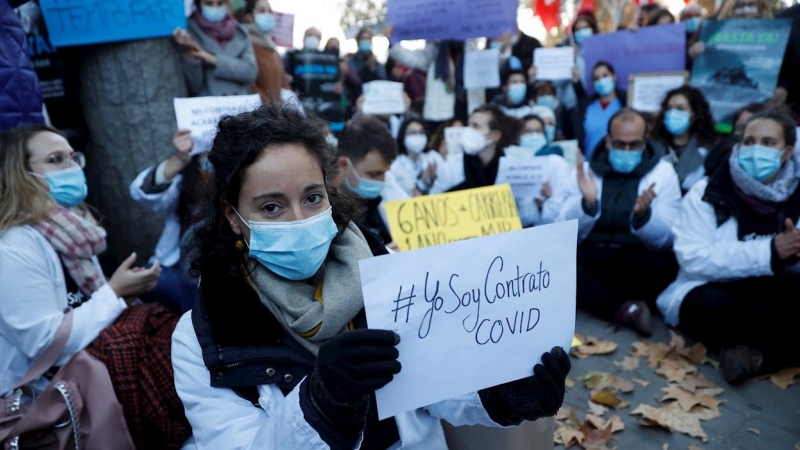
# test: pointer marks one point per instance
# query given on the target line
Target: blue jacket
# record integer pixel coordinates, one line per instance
(20, 94)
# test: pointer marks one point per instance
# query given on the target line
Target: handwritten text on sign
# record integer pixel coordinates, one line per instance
(438, 219)
(80, 22)
(472, 314)
(525, 175)
(450, 19)
(202, 114)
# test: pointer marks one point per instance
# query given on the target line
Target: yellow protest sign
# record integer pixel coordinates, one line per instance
(438, 219)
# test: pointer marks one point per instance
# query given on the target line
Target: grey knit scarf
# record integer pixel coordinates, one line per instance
(309, 317)
(776, 192)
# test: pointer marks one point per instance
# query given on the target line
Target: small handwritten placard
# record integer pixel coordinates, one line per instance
(421, 222)
(202, 114)
(472, 314)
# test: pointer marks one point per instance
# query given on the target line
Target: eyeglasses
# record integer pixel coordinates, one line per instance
(633, 145)
(63, 160)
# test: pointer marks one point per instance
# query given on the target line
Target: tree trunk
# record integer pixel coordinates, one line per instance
(126, 92)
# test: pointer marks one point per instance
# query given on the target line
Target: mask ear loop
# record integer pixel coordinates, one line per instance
(241, 244)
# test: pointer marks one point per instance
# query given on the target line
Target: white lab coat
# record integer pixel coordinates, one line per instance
(168, 249)
(708, 253)
(32, 303)
(563, 186)
(407, 171)
(221, 419)
(655, 234)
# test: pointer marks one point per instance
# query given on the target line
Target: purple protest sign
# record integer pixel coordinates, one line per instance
(451, 19)
(660, 48)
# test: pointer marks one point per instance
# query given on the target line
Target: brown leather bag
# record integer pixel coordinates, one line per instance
(78, 409)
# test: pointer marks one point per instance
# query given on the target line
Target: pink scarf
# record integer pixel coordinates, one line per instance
(76, 237)
(221, 32)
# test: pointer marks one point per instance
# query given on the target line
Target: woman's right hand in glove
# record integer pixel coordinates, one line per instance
(352, 365)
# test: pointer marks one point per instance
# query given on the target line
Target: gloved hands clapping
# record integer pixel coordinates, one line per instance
(351, 366)
(531, 398)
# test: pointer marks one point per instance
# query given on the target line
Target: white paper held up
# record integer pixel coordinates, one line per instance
(472, 314)
(525, 175)
(482, 69)
(383, 97)
(202, 114)
(554, 63)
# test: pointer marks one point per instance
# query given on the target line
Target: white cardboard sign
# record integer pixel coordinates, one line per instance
(554, 63)
(383, 97)
(482, 69)
(525, 175)
(202, 114)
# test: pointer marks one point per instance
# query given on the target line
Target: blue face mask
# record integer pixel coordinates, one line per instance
(759, 161)
(517, 92)
(67, 187)
(604, 86)
(548, 101)
(582, 34)
(550, 132)
(365, 45)
(677, 121)
(214, 14)
(624, 161)
(292, 250)
(265, 22)
(692, 25)
(533, 141)
(495, 45)
(366, 189)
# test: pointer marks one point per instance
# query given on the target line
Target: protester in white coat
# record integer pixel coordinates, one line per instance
(275, 354)
(626, 207)
(739, 251)
(415, 165)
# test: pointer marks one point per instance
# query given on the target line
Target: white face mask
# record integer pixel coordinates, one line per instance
(415, 143)
(311, 43)
(473, 141)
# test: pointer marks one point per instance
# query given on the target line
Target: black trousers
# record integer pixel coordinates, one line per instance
(760, 312)
(610, 275)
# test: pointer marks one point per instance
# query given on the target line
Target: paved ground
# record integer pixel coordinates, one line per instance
(756, 404)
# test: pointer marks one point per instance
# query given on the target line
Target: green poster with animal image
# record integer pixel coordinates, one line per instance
(740, 64)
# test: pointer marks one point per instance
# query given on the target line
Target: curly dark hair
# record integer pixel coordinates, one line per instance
(509, 127)
(239, 142)
(702, 125)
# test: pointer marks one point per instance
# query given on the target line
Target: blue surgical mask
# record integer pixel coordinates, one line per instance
(677, 121)
(759, 161)
(548, 101)
(366, 189)
(550, 132)
(604, 86)
(692, 24)
(214, 14)
(533, 141)
(495, 45)
(624, 161)
(265, 22)
(365, 45)
(517, 92)
(582, 34)
(292, 250)
(67, 187)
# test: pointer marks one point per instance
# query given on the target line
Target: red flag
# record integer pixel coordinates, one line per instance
(548, 11)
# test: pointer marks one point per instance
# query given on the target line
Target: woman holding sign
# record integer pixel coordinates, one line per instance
(738, 246)
(275, 353)
(218, 57)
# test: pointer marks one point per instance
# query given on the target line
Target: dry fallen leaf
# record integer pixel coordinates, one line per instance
(785, 377)
(595, 439)
(643, 383)
(689, 400)
(754, 431)
(694, 447)
(665, 447)
(608, 397)
(596, 409)
(673, 417)
(705, 413)
(602, 380)
(596, 421)
(628, 363)
(569, 436)
(593, 346)
(693, 383)
(563, 413)
(675, 371)
(569, 383)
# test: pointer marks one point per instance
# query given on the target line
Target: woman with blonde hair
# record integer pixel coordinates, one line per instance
(49, 242)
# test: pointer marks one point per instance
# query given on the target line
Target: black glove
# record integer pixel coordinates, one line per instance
(531, 398)
(351, 366)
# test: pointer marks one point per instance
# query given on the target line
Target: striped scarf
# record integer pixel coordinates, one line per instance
(77, 238)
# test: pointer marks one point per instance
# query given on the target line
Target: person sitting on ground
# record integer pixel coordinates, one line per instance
(627, 204)
(276, 354)
(218, 57)
(738, 245)
(685, 126)
(721, 152)
(439, 143)
(545, 95)
(415, 166)
(49, 242)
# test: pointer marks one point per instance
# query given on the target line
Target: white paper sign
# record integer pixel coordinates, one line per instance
(452, 135)
(482, 69)
(648, 91)
(472, 314)
(554, 63)
(571, 150)
(202, 114)
(383, 97)
(525, 175)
